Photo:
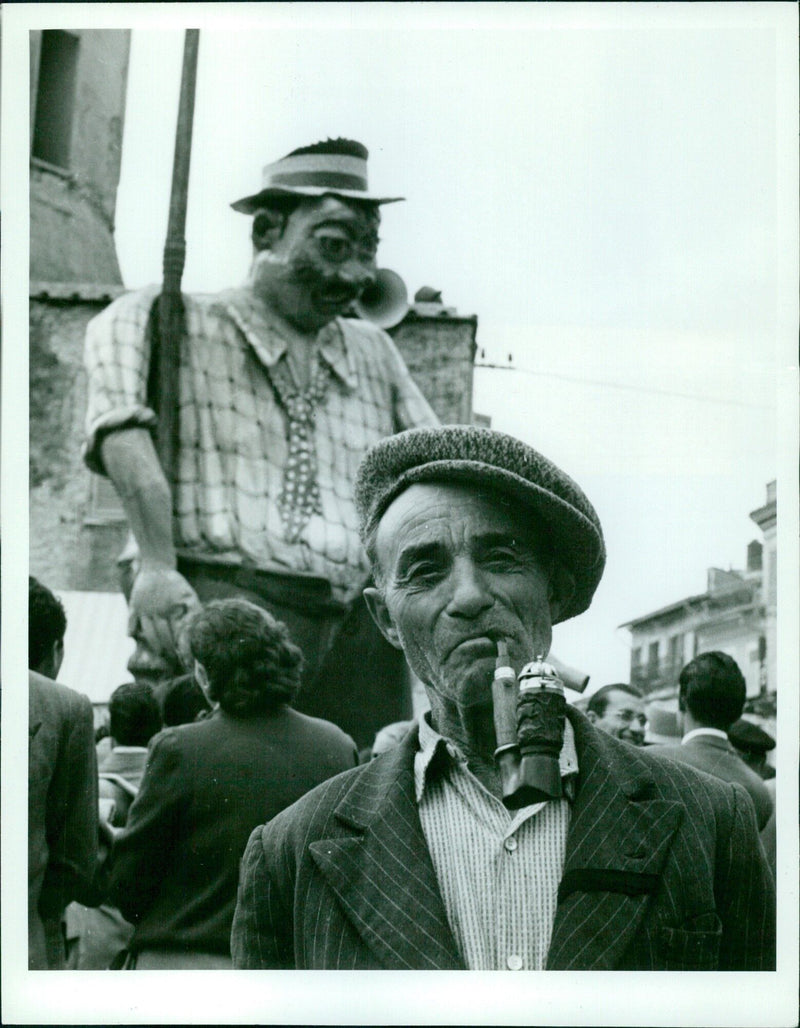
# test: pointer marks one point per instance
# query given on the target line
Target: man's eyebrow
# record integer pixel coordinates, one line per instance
(341, 219)
(333, 221)
(490, 539)
(411, 554)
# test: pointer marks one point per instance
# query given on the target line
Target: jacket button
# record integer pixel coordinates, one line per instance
(514, 962)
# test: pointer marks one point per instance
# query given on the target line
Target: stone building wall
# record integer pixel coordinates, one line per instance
(439, 349)
(66, 550)
(78, 83)
(73, 201)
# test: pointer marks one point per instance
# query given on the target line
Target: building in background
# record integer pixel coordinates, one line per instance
(78, 82)
(766, 518)
(439, 346)
(735, 614)
(77, 91)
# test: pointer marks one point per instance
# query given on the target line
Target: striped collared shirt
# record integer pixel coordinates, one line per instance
(233, 427)
(498, 870)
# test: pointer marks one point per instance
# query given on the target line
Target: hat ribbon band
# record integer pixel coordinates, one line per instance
(333, 179)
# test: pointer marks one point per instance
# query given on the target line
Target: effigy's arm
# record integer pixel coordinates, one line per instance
(130, 460)
(161, 598)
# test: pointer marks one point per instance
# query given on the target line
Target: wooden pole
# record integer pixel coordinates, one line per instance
(170, 305)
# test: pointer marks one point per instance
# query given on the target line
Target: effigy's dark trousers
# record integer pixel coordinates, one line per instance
(353, 677)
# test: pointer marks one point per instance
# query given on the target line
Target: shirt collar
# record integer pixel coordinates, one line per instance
(435, 752)
(129, 749)
(716, 732)
(264, 333)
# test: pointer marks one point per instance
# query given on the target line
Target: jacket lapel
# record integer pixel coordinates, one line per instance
(619, 837)
(620, 833)
(381, 870)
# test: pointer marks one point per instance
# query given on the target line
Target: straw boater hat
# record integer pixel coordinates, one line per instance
(500, 464)
(337, 166)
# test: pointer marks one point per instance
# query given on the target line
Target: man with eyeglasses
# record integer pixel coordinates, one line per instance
(618, 710)
(280, 397)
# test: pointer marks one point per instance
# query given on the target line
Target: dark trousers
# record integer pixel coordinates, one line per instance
(352, 677)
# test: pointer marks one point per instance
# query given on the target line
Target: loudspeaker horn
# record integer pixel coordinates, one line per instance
(385, 301)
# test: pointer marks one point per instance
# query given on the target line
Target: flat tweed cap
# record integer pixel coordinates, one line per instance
(494, 461)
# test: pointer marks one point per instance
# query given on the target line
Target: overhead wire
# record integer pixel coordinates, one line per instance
(622, 385)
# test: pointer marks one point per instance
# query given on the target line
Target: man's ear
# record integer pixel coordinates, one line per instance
(560, 591)
(267, 228)
(376, 605)
(201, 677)
(592, 715)
(58, 657)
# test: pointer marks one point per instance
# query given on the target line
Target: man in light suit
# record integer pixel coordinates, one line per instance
(711, 698)
(412, 861)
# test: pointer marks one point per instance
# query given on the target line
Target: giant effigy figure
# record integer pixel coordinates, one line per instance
(279, 397)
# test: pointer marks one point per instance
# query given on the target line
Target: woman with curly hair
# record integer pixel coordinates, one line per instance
(210, 783)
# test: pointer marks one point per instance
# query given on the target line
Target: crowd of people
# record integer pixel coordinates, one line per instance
(262, 797)
(246, 834)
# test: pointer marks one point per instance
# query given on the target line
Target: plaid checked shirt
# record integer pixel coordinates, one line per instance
(233, 428)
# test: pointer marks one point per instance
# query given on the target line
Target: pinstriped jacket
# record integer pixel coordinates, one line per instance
(663, 871)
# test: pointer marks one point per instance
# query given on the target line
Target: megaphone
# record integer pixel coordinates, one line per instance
(385, 301)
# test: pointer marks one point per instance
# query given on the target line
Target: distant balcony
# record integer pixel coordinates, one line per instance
(652, 675)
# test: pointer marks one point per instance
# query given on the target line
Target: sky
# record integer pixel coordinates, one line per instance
(600, 188)
(612, 190)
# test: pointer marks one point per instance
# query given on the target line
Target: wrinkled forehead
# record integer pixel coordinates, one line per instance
(438, 510)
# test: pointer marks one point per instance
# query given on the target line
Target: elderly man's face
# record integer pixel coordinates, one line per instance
(321, 262)
(458, 571)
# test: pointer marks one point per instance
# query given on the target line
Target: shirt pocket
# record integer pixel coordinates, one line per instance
(694, 946)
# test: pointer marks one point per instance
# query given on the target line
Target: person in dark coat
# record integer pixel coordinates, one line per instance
(183, 701)
(62, 815)
(413, 861)
(62, 786)
(753, 744)
(711, 698)
(210, 783)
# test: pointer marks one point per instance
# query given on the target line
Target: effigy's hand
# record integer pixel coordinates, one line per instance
(160, 603)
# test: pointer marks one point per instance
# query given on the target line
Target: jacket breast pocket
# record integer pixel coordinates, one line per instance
(694, 946)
